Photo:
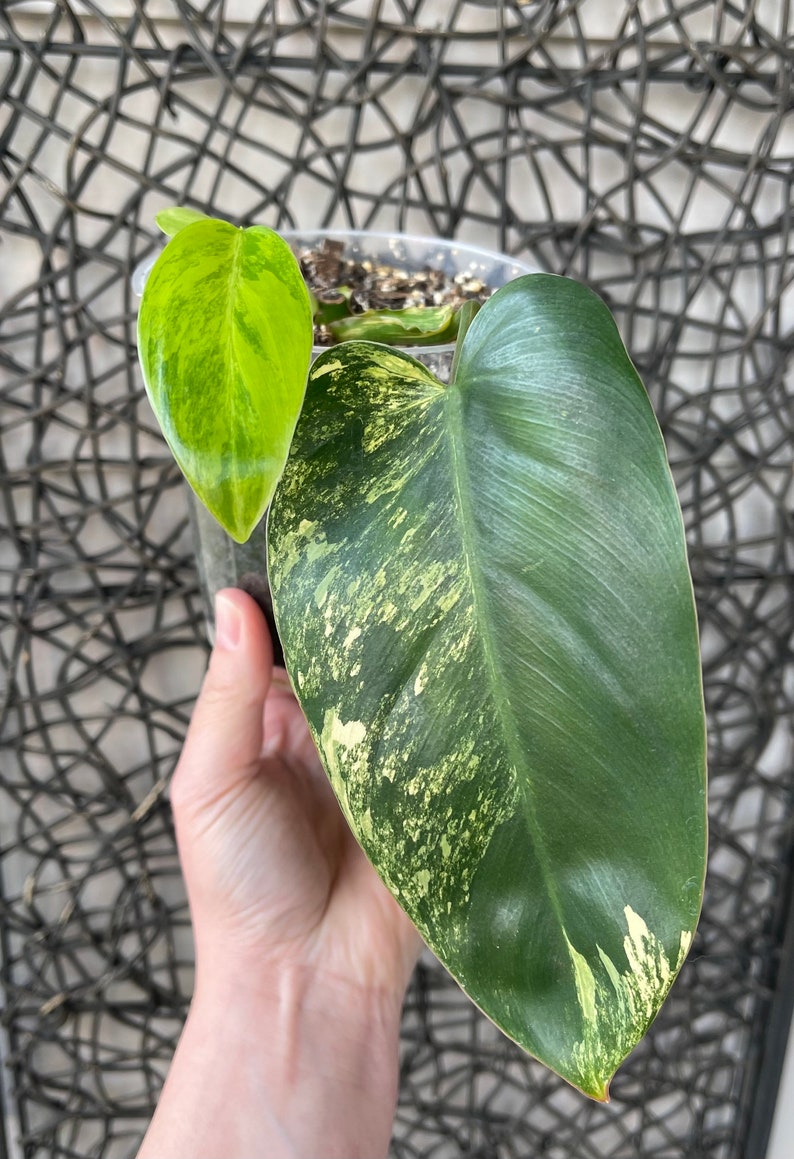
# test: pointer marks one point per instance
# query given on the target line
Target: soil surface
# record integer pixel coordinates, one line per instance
(371, 285)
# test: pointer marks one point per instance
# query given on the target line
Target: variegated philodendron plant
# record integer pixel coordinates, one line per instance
(484, 602)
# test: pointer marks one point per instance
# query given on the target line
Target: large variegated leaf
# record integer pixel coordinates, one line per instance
(224, 341)
(483, 596)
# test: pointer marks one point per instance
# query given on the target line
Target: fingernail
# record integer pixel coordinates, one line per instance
(228, 623)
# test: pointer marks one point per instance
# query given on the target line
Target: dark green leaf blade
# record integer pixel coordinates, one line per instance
(486, 611)
(224, 340)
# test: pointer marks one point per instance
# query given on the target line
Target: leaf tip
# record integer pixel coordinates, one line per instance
(602, 1095)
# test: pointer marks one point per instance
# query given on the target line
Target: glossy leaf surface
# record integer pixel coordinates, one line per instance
(483, 596)
(224, 340)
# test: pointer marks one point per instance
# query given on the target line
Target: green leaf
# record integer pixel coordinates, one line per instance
(466, 315)
(171, 221)
(411, 326)
(224, 340)
(332, 306)
(483, 596)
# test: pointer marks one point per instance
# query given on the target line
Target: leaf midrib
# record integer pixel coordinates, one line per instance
(232, 359)
(231, 304)
(462, 492)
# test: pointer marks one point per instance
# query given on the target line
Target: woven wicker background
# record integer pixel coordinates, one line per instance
(647, 148)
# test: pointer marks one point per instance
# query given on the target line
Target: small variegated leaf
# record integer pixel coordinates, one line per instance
(485, 606)
(224, 341)
(411, 326)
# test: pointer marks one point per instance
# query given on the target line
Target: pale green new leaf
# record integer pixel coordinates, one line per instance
(224, 341)
(172, 220)
(483, 596)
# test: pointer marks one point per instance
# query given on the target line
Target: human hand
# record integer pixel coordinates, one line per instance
(274, 875)
(302, 955)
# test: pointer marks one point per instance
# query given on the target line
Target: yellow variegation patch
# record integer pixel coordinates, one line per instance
(617, 1012)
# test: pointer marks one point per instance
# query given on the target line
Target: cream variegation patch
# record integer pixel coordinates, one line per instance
(616, 1014)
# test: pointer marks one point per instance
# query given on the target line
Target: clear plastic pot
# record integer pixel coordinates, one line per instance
(220, 561)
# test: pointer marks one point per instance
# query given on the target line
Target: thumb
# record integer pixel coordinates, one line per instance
(224, 741)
